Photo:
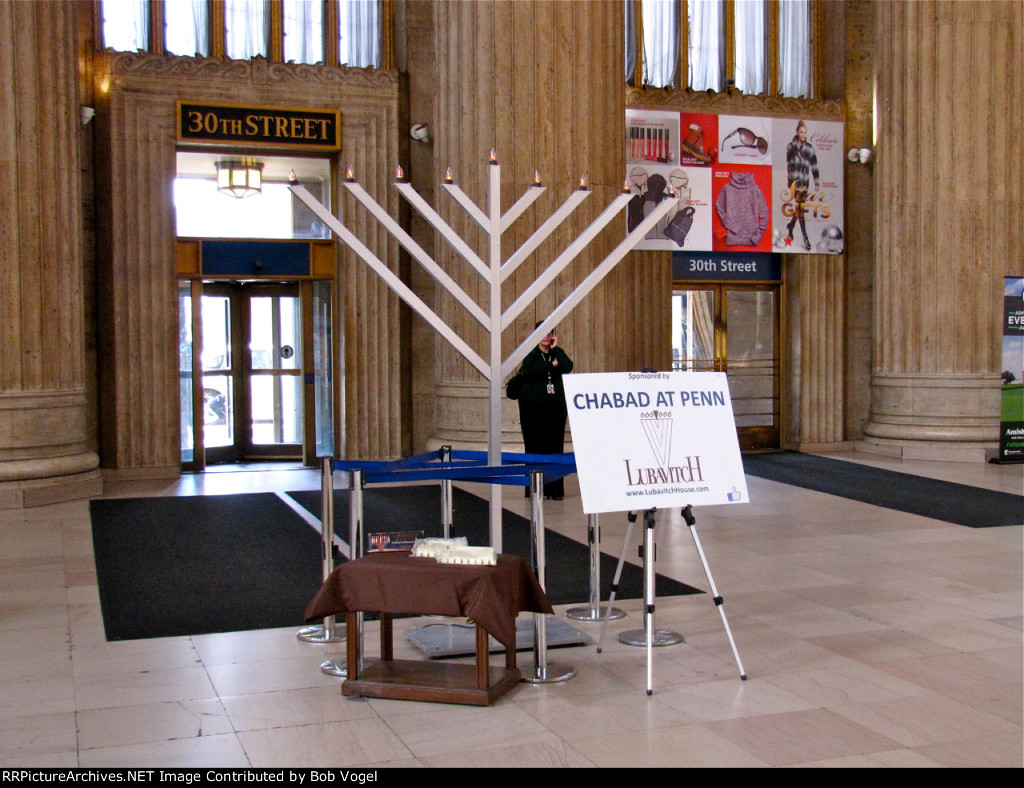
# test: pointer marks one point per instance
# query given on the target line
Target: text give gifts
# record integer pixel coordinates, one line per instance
(654, 439)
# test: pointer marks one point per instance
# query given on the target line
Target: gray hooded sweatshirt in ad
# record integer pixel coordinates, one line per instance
(743, 210)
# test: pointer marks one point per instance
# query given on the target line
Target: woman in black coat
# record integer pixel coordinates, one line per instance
(542, 411)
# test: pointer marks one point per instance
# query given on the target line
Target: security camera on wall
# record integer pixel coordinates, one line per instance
(420, 133)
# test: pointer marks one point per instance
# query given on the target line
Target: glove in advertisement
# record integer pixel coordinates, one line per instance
(740, 183)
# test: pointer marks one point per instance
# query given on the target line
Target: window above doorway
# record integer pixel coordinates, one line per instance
(332, 32)
(204, 212)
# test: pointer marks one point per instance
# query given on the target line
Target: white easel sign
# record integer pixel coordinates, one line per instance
(658, 439)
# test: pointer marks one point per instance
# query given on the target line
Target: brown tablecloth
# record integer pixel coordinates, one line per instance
(399, 584)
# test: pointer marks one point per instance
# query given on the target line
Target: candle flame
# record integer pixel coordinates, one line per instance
(536, 177)
(399, 173)
(583, 183)
(448, 176)
(350, 175)
(626, 188)
(494, 156)
(292, 178)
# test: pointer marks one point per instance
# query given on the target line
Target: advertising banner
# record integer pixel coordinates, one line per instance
(807, 178)
(741, 184)
(658, 439)
(1011, 428)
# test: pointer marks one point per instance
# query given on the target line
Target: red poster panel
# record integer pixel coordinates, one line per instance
(741, 220)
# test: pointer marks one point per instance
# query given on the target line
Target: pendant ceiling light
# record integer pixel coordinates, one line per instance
(240, 177)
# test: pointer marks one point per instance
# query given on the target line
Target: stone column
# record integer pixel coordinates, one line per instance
(822, 374)
(542, 83)
(948, 220)
(45, 454)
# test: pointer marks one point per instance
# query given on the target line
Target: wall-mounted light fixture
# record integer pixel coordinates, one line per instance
(240, 177)
(859, 155)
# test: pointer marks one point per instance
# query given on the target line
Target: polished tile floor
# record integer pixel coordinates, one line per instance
(870, 637)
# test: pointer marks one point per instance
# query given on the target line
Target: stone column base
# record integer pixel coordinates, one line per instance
(44, 454)
(933, 417)
(461, 416)
(940, 451)
(820, 447)
(27, 493)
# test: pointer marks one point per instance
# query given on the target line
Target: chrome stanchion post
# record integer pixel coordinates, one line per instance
(337, 667)
(445, 455)
(543, 672)
(649, 636)
(327, 633)
(593, 612)
(355, 535)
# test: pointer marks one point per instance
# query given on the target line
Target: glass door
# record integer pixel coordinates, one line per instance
(734, 329)
(694, 325)
(218, 369)
(186, 375)
(323, 366)
(251, 370)
(752, 364)
(274, 372)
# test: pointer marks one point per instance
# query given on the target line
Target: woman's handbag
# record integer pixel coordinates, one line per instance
(514, 386)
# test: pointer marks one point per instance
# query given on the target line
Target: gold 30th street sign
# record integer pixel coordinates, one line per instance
(259, 126)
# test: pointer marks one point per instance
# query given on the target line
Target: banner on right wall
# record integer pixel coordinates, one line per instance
(1011, 427)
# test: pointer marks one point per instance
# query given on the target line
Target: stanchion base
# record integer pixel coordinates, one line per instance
(335, 667)
(662, 637)
(316, 635)
(548, 674)
(586, 614)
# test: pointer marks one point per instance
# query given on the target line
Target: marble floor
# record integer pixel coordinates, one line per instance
(870, 638)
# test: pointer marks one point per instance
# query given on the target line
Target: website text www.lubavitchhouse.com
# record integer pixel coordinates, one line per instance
(190, 776)
(667, 490)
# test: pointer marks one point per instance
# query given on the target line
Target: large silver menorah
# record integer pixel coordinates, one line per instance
(493, 271)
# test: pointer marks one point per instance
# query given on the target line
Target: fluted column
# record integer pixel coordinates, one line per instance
(542, 83)
(138, 309)
(822, 374)
(948, 219)
(44, 451)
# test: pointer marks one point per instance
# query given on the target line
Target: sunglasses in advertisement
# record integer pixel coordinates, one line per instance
(749, 139)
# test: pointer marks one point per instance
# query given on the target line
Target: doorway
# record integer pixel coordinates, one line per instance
(251, 370)
(734, 329)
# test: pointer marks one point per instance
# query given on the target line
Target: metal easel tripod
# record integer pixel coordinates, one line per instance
(652, 636)
(691, 521)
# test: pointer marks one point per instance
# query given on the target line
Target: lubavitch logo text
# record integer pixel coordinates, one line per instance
(665, 474)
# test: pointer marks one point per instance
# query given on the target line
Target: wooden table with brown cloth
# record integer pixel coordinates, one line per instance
(399, 584)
